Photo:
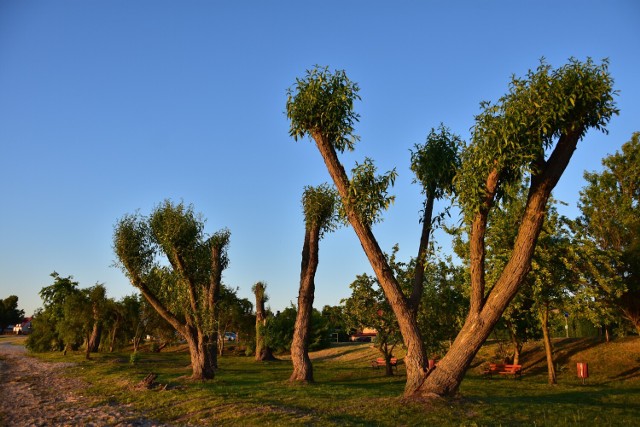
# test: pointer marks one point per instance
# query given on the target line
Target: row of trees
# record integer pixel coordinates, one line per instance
(74, 317)
(519, 253)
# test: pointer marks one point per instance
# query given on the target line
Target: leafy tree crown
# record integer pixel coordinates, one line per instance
(322, 102)
(513, 135)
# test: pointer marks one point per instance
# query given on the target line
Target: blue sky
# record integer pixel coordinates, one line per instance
(107, 107)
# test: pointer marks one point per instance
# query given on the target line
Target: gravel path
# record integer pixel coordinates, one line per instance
(35, 393)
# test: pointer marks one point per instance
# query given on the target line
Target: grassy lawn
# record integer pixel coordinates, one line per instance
(349, 392)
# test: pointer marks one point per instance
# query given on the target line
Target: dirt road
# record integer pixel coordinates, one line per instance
(35, 393)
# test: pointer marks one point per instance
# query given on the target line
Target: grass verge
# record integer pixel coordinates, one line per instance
(348, 392)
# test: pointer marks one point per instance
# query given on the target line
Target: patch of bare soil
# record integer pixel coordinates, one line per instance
(35, 393)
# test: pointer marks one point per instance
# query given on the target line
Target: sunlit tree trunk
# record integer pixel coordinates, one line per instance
(96, 336)
(548, 349)
(263, 352)
(302, 368)
(516, 343)
(202, 364)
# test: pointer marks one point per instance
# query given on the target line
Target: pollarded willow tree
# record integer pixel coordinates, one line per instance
(185, 292)
(533, 129)
(319, 205)
(263, 351)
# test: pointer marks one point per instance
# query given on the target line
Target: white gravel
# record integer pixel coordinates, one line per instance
(35, 393)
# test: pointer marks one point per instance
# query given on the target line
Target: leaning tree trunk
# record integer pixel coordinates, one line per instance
(446, 378)
(302, 367)
(548, 349)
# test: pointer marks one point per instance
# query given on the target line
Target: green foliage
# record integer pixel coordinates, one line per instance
(367, 307)
(75, 326)
(337, 322)
(610, 227)
(323, 102)
(319, 205)
(44, 335)
(444, 305)
(235, 314)
(54, 296)
(46, 324)
(368, 193)
(436, 162)
(279, 331)
(513, 135)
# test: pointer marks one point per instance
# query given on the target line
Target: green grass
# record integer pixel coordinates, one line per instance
(349, 392)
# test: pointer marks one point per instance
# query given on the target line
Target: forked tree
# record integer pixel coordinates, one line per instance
(185, 292)
(533, 129)
(263, 352)
(319, 207)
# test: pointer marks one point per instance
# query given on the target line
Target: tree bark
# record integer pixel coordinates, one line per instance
(96, 336)
(202, 362)
(302, 367)
(421, 260)
(548, 349)
(87, 353)
(388, 354)
(114, 333)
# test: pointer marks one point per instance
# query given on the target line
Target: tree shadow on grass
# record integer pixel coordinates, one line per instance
(564, 349)
(626, 375)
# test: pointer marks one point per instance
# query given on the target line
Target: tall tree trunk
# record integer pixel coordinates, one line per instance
(548, 349)
(221, 339)
(87, 352)
(202, 364)
(114, 333)
(302, 368)
(263, 352)
(96, 335)
(517, 345)
(421, 260)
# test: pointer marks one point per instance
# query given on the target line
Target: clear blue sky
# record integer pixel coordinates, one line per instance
(107, 107)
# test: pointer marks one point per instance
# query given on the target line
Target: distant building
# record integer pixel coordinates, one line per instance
(24, 327)
(366, 335)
